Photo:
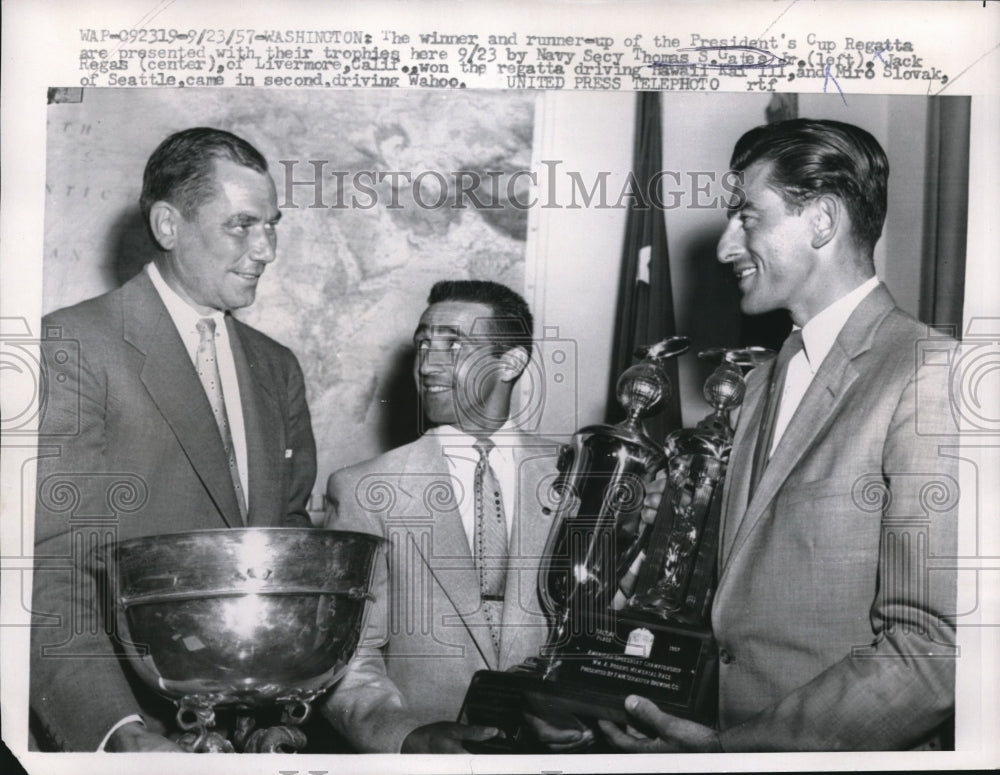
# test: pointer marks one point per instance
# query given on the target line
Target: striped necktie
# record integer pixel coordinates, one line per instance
(490, 539)
(208, 373)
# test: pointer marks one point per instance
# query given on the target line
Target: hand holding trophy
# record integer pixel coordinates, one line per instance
(629, 600)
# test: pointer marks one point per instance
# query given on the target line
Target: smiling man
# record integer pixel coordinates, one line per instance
(463, 512)
(834, 610)
(168, 415)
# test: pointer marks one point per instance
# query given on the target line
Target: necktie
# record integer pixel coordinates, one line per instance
(791, 347)
(208, 373)
(490, 539)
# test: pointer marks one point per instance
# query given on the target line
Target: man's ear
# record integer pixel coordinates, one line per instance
(515, 361)
(827, 218)
(164, 219)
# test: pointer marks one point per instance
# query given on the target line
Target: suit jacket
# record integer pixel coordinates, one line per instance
(128, 447)
(834, 579)
(427, 633)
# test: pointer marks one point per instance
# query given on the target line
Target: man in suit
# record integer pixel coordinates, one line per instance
(840, 504)
(441, 612)
(163, 413)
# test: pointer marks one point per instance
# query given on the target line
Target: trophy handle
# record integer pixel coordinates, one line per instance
(597, 536)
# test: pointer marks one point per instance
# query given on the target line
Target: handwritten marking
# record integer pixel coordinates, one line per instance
(830, 77)
(778, 18)
(775, 60)
(963, 72)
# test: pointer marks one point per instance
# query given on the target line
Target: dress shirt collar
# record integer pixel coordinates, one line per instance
(822, 330)
(185, 316)
(461, 457)
(450, 436)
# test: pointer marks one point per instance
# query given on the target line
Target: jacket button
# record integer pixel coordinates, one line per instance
(725, 657)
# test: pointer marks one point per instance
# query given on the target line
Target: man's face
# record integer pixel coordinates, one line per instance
(220, 253)
(457, 369)
(769, 247)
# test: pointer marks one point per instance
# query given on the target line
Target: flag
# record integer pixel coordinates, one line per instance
(645, 313)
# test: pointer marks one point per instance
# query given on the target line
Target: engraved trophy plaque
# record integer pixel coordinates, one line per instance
(629, 601)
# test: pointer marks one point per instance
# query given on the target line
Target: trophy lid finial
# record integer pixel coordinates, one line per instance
(644, 387)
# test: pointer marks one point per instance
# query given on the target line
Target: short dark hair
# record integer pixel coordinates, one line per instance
(812, 157)
(512, 321)
(180, 170)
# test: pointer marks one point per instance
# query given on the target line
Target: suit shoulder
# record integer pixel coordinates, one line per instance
(900, 337)
(542, 442)
(92, 315)
(261, 341)
(529, 445)
(899, 324)
(391, 462)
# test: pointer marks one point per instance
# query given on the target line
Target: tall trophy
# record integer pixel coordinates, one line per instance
(629, 601)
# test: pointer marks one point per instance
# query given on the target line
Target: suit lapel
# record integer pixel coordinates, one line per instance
(808, 425)
(260, 412)
(737, 485)
(530, 530)
(173, 385)
(449, 560)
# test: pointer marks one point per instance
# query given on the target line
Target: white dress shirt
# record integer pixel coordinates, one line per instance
(462, 458)
(818, 336)
(186, 319)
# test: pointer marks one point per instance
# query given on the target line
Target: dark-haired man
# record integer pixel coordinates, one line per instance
(460, 509)
(169, 415)
(834, 591)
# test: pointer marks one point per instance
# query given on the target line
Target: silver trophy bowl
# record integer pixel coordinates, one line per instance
(243, 618)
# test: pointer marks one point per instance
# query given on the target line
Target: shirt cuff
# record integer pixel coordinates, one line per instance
(116, 727)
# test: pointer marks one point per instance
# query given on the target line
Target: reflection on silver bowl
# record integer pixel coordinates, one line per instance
(244, 617)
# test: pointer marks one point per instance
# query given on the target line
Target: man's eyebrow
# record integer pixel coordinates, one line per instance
(243, 217)
(246, 217)
(437, 330)
(740, 204)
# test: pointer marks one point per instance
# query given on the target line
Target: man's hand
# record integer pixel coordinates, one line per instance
(445, 737)
(134, 737)
(672, 734)
(567, 736)
(654, 494)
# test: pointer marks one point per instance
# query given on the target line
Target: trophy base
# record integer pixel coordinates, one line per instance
(677, 671)
(243, 735)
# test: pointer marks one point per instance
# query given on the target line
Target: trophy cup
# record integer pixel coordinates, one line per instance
(629, 601)
(250, 619)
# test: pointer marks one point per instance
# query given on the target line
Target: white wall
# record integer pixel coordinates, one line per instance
(573, 255)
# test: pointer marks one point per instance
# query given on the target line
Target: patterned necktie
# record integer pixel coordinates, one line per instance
(765, 440)
(208, 373)
(490, 539)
